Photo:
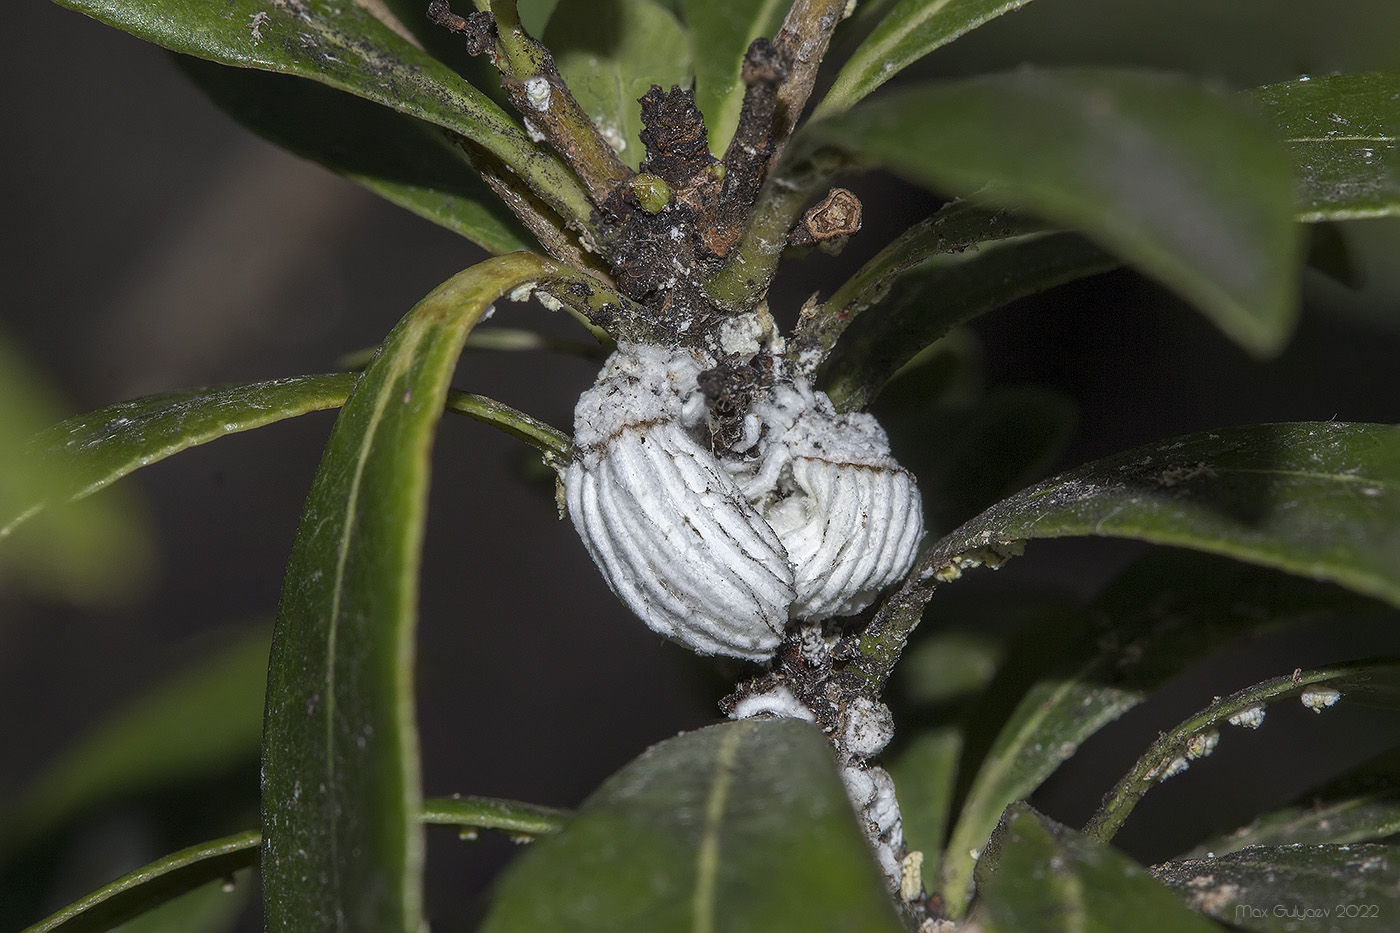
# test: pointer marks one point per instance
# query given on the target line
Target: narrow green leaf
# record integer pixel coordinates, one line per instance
(342, 843)
(1362, 805)
(720, 33)
(400, 158)
(1371, 682)
(925, 772)
(1344, 133)
(1181, 182)
(1167, 611)
(1320, 500)
(950, 289)
(343, 45)
(522, 820)
(200, 876)
(200, 721)
(554, 444)
(154, 884)
(1039, 875)
(1355, 819)
(214, 908)
(741, 826)
(610, 54)
(93, 450)
(92, 552)
(908, 32)
(947, 666)
(1282, 889)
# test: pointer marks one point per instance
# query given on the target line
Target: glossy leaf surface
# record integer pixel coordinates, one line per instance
(918, 306)
(909, 31)
(1040, 875)
(611, 54)
(95, 449)
(1357, 819)
(342, 843)
(720, 33)
(1344, 133)
(1281, 889)
(400, 158)
(154, 884)
(345, 46)
(1369, 682)
(1320, 500)
(1168, 610)
(741, 826)
(1177, 180)
(522, 820)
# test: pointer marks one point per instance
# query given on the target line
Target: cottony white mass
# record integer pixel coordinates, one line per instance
(807, 516)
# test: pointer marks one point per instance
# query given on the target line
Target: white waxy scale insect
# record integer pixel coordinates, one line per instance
(808, 517)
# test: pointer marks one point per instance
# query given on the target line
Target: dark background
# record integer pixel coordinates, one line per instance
(155, 245)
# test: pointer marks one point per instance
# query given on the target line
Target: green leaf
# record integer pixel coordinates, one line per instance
(741, 826)
(214, 908)
(908, 32)
(1344, 133)
(720, 34)
(1355, 819)
(91, 451)
(167, 894)
(92, 552)
(345, 46)
(924, 773)
(402, 159)
(951, 267)
(1039, 875)
(947, 666)
(1281, 889)
(1320, 500)
(521, 820)
(610, 54)
(923, 305)
(1372, 682)
(153, 885)
(202, 720)
(1360, 806)
(342, 843)
(1167, 611)
(1181, 182)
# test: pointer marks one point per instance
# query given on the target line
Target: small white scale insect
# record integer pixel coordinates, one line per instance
(806, 517)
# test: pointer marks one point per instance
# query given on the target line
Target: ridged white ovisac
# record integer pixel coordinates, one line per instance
(811, 519)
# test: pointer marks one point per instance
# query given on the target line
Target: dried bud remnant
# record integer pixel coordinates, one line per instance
(838, 215)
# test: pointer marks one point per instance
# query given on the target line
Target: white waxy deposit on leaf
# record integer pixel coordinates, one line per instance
(805, 516)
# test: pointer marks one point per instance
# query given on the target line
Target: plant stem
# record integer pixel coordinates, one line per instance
(538, 91)
(805, 35)
(750, 266)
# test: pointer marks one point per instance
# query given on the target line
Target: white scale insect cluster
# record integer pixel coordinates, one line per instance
(804, 517)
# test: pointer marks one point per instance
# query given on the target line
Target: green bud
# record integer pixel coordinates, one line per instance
(651, 193)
